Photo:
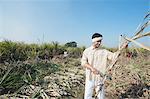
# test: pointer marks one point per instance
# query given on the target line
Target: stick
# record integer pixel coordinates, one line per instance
(137, 43)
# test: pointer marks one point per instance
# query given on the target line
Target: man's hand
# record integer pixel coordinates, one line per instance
(125, 45)
(95, 71)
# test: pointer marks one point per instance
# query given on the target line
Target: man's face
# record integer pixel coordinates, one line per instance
(97, 43)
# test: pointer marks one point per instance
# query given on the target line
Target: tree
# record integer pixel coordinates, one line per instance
(71, 44)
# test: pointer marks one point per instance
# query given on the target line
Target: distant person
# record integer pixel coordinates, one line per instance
(94, 59)
(65, 54)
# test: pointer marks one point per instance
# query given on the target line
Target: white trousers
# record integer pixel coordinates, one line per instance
(90, 86)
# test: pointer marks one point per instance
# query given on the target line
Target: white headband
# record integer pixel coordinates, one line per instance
(96, 39)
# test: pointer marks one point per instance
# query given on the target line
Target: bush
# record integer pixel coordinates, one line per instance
(18, 74)
(11, 51)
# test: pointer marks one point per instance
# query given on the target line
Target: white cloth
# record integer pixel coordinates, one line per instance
(98, 59)
(90, 85)
(96, 39)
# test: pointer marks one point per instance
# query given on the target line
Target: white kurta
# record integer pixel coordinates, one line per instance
(97, 58)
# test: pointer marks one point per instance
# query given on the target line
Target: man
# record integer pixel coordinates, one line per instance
(95, 59)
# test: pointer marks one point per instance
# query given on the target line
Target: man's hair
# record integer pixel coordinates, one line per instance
(95, 35)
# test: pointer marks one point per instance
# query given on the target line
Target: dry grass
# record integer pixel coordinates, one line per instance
(130, 79)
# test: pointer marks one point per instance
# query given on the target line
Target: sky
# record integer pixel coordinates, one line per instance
(44, 21)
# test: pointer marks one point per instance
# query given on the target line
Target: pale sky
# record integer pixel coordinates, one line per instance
(38, 21)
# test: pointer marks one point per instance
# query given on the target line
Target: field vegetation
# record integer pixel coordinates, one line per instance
(43, 72)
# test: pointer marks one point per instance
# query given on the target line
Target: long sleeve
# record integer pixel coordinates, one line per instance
(84, 59)
(111, 56)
